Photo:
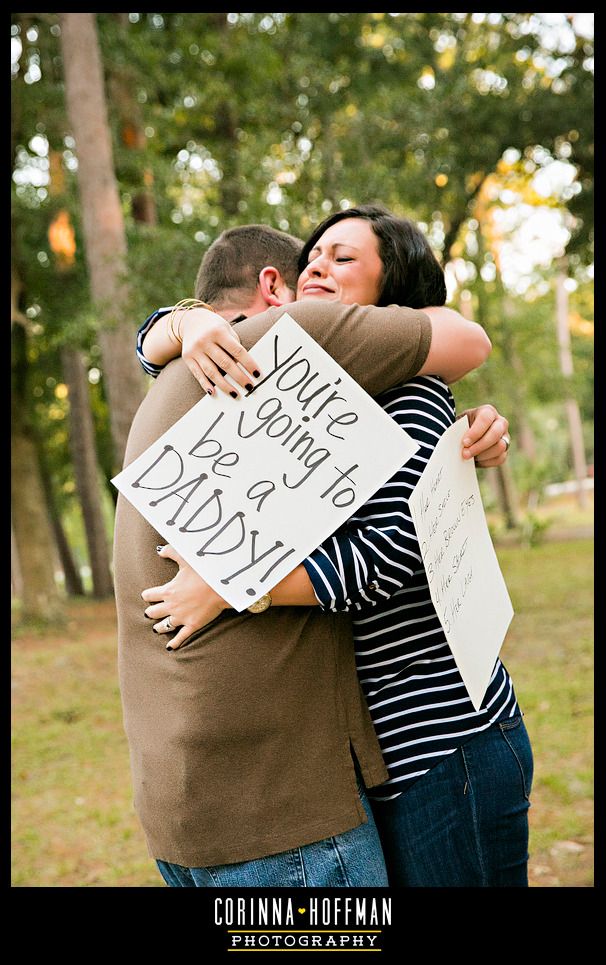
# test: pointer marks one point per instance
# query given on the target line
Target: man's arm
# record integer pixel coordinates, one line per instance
(379, 347)
(458, 345)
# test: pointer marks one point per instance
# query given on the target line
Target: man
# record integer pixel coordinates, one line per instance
(241, 743)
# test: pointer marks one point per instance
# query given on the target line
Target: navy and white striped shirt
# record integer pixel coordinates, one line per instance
(372, 568)
(149, 367)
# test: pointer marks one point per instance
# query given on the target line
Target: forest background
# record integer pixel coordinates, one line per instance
(136, 138)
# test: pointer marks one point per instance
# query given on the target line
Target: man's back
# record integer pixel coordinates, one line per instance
(240, 740)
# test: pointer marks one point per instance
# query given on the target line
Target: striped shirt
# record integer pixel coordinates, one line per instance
(372, 568)
(150, 367)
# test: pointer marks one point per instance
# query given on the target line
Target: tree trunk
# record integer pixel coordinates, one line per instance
(507, 494)
(41, 599)
(526, 441)
(500, 477)
(226, 125)
(16, 575)
(86, 470)
(573, 415)
(103, 224)
(73, 581)
(122, 89)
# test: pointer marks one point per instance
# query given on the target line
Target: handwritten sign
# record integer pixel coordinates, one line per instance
(466, 584)
(244, 489)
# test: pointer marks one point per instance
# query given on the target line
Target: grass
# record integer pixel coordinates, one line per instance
(73, 820)
(549, 652)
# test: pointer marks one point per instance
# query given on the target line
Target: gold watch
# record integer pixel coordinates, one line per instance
(263, 603)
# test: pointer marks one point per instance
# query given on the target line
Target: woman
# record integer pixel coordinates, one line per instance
(454, 810)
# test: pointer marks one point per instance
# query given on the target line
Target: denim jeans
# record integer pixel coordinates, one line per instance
(350, 860)
(465, 822)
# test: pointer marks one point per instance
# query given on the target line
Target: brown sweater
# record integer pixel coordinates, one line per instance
(240, 741)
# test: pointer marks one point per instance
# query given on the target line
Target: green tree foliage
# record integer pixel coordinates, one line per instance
(283, 118)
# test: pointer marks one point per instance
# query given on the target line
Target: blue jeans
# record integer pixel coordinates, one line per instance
(350, 860)
(465, 822)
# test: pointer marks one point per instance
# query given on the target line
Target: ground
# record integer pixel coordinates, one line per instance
(73, 820)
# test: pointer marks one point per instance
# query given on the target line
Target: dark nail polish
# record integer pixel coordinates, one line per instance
(248, 387)
(154, 629)
(210, 391)
(234, 395)
(158, 548)
(168, 647)
(256, 374)
(147, 616)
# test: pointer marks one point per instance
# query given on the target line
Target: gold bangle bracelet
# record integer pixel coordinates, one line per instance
(184, 305)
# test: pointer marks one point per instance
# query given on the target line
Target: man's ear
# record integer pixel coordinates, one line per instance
(272, 286)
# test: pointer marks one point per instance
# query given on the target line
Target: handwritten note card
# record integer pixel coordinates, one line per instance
(466, 584)
(246, 488)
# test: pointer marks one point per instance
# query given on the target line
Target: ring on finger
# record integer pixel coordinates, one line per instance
(507, 440)
(166, 626)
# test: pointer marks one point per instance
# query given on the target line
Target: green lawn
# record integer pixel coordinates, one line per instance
(549, 652)
(73, 821)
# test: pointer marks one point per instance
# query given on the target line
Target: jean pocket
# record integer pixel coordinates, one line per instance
(511, 723)
(516, 737)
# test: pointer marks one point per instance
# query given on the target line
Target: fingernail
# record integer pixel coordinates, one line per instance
(256, 373)
(248, 387)
(147, 616)
(168, 647)
(158, 548)
(466, 441)
(154, 629)
(210, 391)
(234, 395)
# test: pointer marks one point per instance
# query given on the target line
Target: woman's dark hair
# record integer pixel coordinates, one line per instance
(412, 275)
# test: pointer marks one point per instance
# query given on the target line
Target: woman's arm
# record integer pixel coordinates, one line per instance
(367, 560)
(377, 552)
(210, 344)
(205, 339)
(191, 603)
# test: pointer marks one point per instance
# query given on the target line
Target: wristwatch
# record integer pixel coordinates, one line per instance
(263, 603)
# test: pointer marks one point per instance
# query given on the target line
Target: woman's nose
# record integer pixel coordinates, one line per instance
(317, 266)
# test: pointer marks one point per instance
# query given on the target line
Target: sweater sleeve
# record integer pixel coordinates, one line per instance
(378, 347)
(149, 367)
(376, 552)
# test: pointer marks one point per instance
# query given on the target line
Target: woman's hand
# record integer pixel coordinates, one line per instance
(487, 440)
(211, 348)
(187, 600)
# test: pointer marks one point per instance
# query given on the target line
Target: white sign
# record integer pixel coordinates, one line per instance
(244, 489)
(466, 584)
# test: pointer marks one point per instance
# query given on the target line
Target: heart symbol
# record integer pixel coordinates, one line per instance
(301, 910)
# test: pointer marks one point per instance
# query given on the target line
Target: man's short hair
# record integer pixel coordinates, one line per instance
(230, 269)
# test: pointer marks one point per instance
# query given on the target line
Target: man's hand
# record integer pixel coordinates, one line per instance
(186, 601)
(211, 348)
(487, 439)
